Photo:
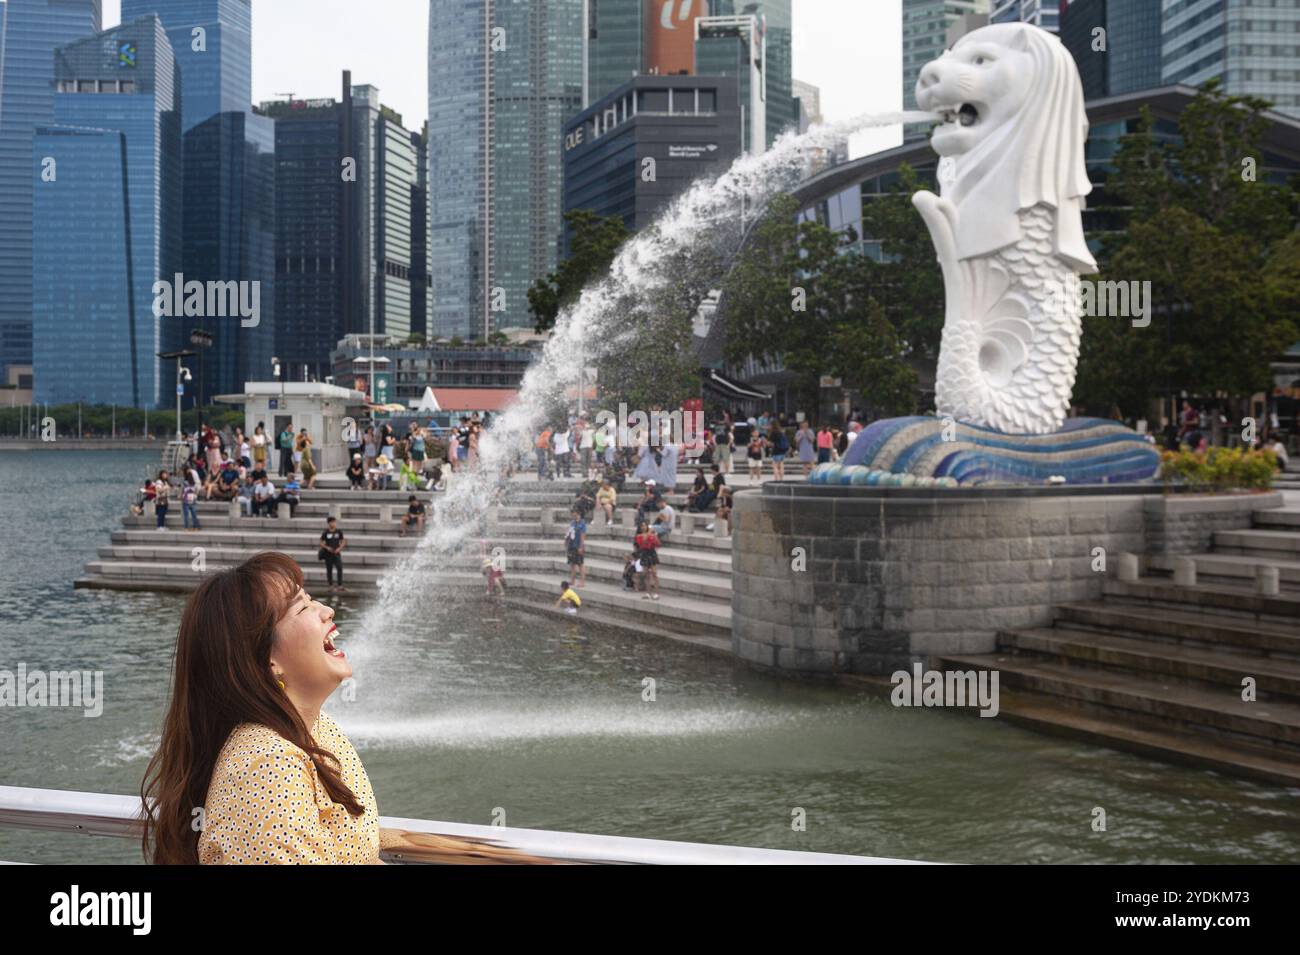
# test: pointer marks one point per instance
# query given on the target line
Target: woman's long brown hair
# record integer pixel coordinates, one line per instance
(222, 678)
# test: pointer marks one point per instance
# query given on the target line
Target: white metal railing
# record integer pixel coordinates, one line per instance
(421, 840)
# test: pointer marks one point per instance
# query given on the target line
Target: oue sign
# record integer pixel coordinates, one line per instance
(574, 138)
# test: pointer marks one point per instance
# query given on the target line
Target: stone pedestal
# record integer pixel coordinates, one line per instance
(853, 579)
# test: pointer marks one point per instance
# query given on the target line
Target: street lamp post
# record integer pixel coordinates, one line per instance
(202, 340)
(182, 375)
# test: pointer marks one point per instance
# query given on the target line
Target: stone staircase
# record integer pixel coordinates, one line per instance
(529, 525)
(1288, 480)
(1157, 666)
(1273, 540)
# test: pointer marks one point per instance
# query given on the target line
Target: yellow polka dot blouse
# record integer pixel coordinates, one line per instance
(267, 806)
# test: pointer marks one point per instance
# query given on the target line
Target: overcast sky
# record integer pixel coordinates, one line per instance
(849, 48)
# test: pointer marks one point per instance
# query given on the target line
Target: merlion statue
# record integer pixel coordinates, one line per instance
(1007, 226)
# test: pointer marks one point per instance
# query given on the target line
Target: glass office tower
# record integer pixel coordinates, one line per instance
(310, 269)
(397, 160)
(1131, 58)
(1041, 13)
(1259, 61)
(107, 224)
(614, 29)
(30, 31)
(229, 183)
(925, 37)
(344, 247)
(726, 56)
(229, 235)
(213, 43)
(503, 77)
(459, 167)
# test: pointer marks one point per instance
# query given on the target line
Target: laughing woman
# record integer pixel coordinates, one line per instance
(249, 770)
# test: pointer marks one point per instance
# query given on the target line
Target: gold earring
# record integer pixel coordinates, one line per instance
(281, 682)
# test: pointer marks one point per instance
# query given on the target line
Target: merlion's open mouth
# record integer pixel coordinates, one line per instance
(965, 114)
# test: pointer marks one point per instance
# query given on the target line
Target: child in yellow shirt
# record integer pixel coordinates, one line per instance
(568, 598)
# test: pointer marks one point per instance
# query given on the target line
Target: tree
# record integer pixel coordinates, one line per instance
(798, 292)
(596, 241)
(908, 283)
(652, 362)
(1218, 247)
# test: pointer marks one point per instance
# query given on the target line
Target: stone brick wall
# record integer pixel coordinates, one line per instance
(830, 579)
(1186, 525)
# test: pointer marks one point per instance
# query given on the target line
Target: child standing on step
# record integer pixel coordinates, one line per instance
(190, 502)
(575, 545)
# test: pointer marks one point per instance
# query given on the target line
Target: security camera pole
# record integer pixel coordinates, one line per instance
(182, 376)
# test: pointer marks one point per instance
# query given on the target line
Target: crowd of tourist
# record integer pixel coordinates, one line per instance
(1197, 427)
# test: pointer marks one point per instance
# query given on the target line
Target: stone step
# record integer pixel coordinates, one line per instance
(1234, 599)
(687, 582)
(1266, 543)
(1047, 715)
(697, 559)
(696, 539)
(1109, 651)
(1179, 626)
(641, 626)
(269, 539)
(1169, 706)
(1231, 566)
(229, 556)
(147, 575)
(1280, 517)
(175, 522)
(678, 611)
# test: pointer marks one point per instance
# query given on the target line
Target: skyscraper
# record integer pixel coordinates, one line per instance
(614, 39)
(30, 31)
(213, 42)
(346, 177)
(504, 75)
(925, 36)
(311, 267)
(107, 178)
(1041, 13)
(726, 56)
(1124, 56)
(420, 279)
(229, 224)
(229, 236)
(1249, 44)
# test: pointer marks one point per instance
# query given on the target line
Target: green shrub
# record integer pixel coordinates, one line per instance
(1218, 469)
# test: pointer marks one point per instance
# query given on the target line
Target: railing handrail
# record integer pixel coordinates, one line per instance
(423, 840)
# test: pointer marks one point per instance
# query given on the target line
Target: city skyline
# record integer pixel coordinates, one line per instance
(847, 50)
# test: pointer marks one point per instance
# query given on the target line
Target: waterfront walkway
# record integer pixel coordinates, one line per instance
(1152, 665)
(528, 525)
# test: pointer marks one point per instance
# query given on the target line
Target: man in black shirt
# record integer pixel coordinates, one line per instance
(332, 543)
(414, 515)
(356, 474)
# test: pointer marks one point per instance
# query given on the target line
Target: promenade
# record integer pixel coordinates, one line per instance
(528, 525)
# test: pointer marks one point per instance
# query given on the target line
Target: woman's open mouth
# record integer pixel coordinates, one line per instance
(330, 649)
